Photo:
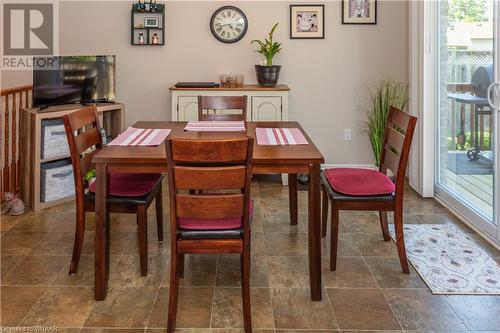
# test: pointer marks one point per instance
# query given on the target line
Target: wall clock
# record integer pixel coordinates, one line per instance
(229, 24)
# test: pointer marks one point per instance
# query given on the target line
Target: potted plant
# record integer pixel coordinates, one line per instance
(267, 73)
(387, 92)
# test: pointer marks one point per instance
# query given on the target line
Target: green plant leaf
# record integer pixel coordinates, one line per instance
(268, 48)
(89, 175)
(272, 31)
(386, 93)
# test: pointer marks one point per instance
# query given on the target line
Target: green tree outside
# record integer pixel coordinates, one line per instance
(466, 11)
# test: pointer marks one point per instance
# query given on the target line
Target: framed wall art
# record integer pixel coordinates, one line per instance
(151, 22)
(359, 11)
(307, 21)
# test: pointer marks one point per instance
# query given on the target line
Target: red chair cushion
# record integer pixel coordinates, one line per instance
(359, 182)
(217, 224)
(130, 184)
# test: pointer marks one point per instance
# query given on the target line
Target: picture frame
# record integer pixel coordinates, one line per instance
(151, 22)
(359, 12)
(307, 21)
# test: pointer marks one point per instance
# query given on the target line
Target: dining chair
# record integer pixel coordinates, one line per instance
(221, 103)
(367, 189)
(217, 220)
(128, 193)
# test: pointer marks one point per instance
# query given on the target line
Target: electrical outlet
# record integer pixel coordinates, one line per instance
(347, 134)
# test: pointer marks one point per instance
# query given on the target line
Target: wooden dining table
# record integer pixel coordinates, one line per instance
(267, 159)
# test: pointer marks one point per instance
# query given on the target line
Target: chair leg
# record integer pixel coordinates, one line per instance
(77, 246)
(245, 290)
(324, 211)
(173, 293)
(384, 225)
(142, 223)
(159, 214)
(181, 264)
(292, 198)
(334, 237)
(400, 241)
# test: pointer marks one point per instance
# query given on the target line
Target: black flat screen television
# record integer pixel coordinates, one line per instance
(73, 79)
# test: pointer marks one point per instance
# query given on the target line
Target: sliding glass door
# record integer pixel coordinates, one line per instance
(466, 123)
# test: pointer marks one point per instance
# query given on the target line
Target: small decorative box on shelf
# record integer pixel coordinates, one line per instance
(147, 20)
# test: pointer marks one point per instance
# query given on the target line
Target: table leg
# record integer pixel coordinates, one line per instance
(101, 232)
(490, 129)
(453, 123)
(473, 126)
(461, 135)
(314, 232)
(480, 122)
(292, 197)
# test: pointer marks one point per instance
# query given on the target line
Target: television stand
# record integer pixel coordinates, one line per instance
(41, 108)
(97, 102)
(111, 117)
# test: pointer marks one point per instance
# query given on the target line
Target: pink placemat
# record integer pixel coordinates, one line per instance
(142, 137)
(280, 136)
(215, 126)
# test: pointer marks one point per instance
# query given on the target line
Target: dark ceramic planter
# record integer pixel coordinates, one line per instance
(267, 76)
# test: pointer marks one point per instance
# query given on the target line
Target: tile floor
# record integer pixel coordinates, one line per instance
(368, 292)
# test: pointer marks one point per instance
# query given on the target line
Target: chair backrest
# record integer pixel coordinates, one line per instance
(221, 168)
(84, 140)
(396, 148)
(216, 103)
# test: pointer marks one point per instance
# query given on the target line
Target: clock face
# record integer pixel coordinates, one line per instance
(228, 24)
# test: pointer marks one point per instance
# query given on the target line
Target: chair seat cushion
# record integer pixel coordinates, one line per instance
(359, 182)
(130, 184)
(214, 224)
(121, 201)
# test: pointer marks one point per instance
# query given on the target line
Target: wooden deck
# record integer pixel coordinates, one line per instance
(477, 189)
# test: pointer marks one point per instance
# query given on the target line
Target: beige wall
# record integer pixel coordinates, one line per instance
(10, 79)
(329, 78)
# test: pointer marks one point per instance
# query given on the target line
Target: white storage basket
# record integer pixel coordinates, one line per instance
(54, 141)
(57, 180)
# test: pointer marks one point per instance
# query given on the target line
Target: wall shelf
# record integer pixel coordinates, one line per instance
(140, 17)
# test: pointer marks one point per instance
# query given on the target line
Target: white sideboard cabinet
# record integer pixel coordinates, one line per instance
(264, 104)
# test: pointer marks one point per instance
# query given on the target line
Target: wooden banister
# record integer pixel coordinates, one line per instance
(11, 91)
(13, 100)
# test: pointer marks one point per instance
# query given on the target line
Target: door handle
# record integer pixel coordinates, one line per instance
(496, 95)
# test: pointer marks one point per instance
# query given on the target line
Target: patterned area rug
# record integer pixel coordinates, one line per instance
(449, 261)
